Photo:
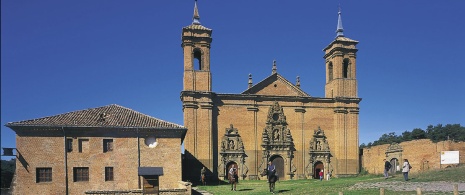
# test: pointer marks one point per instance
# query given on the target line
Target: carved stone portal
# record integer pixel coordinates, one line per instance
(319, 153)
(277, 142)
(232, 150)
(394, 155)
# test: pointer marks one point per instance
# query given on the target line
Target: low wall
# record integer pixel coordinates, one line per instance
(422, 154)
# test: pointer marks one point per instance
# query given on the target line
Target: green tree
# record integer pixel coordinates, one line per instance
(439, 132)
(418, 134)
(8, 170)
(407, 136)
(388, 139)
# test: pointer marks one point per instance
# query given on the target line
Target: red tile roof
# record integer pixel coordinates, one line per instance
(106, 116)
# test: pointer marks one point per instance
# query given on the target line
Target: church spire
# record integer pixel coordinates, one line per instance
(196, 18)
(339, 31)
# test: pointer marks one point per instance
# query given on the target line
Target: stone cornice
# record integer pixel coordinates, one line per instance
(340, 110)
(252, 108)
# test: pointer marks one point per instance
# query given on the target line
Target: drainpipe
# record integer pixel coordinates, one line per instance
(66, 160)
(138, 157)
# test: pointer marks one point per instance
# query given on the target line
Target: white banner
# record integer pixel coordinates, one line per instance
(450, 157)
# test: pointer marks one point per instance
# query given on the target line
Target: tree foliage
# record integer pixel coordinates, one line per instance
(454, 132)
(8, 170)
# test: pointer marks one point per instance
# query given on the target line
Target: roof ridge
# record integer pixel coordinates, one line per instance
(108, 115)
(34, 119)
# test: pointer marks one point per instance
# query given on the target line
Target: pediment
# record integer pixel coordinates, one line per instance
(276, 85)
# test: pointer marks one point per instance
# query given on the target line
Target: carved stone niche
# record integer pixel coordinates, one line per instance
(232, 151)
(319, 151)
(277, 141)
(394, 156)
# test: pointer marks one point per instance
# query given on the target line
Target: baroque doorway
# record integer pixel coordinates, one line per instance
(319, 166)
(278, 162)
(230, 164)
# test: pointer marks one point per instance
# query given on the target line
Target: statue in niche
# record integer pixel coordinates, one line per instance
(231, 144)
(276, 135)
(318, 145)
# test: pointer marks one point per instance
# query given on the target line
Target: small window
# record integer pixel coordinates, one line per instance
(198, 60)
(83, 145)
(107, 145)
(345, 70)
(81, 174)
(330, 71)
(43, 175)
(109, 174)
(69, 145)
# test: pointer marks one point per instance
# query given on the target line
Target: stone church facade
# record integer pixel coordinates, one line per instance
(272, 120)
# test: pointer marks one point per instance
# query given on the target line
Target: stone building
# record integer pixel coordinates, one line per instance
(423, 155)
(98, 150)
(272, 120)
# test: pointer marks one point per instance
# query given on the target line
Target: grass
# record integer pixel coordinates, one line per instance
(336, 185)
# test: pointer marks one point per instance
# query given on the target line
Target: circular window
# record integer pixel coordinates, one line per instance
(275, 116)
(151, 142)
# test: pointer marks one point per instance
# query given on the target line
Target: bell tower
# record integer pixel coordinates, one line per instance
(341, 86)
(196, 40)
(340, 58)
(200, 143)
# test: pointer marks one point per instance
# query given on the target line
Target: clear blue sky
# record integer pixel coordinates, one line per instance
(61, 56)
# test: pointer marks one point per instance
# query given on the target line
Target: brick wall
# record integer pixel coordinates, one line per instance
(422, 155)
(49, 152)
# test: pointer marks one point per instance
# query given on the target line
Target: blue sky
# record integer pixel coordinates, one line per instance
(61, 56)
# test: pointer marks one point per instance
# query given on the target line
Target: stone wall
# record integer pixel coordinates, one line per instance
(422, 154)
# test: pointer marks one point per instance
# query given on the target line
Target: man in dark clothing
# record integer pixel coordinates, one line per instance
(387, 167)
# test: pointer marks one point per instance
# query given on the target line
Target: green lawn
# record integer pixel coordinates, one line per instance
(335, 185)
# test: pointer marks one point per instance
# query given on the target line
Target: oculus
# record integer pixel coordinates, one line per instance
(151, 142)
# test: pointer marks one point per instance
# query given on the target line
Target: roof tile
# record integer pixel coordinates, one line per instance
(106, 116)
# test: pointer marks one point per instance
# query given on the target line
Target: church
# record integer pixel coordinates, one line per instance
(272, 120)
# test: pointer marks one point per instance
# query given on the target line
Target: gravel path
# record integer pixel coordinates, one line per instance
(412, 186)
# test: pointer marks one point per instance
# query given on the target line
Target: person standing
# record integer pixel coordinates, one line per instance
(233, 177)
(405, 169)
(321, 175)
(328, 175)
(387, 167)
(203, 171)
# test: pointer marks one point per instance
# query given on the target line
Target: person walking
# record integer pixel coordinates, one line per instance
(271, 174)
(321, 175)
(406, 168)
(387, 167)
(233, 177)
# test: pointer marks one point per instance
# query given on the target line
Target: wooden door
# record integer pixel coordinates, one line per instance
(316, 171)
(278, 162)
(151, 185)
(229, 167)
